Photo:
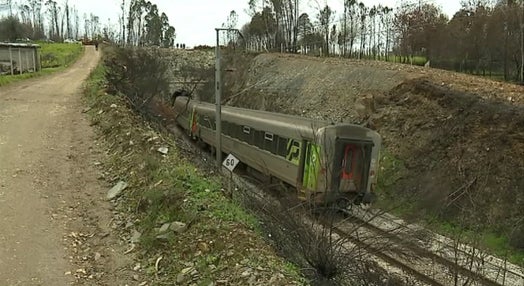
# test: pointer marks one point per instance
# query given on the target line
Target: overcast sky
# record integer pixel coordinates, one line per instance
(195, 20)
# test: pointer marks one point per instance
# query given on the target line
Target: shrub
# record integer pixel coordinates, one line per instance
(138, 73)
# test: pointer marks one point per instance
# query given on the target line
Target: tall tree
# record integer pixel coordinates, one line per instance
(305, 27)
(261, 30)
(231, 23)
(416, 26)
(363, 13)
(69, 30)
(153, 26)
(285, 16)
(386, 22)
(53, 9)
(325, 18)
(348, 33)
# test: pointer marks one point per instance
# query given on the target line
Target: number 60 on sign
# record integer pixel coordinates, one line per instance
(230, 162)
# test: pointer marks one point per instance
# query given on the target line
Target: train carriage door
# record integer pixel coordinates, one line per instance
(311, 166)
(354, 167)
(193, 122)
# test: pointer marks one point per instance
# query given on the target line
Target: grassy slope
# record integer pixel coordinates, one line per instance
(55, 57)
(222, 242)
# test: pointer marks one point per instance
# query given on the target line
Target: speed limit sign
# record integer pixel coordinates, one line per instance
(230, 162)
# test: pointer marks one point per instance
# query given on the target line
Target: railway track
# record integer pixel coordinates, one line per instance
(405, 250)
(399, 248)
(378, 254)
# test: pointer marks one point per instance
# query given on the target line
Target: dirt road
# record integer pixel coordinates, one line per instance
(52, 208)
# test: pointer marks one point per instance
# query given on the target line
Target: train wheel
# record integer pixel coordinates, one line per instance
(342, 203)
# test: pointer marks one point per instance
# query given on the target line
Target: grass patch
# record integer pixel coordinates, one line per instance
(55, 57)
(221, 241)
(415, 60)
(7, 79)
(392, 169)
(492, 241)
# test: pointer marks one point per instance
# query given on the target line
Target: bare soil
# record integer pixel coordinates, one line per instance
(456, 141)
(55, 220)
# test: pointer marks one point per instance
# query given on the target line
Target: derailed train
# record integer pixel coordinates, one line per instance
(327, 163)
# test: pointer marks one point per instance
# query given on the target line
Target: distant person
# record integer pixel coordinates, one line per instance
(96, 45)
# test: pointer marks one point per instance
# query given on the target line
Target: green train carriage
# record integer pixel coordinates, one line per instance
(325, 162)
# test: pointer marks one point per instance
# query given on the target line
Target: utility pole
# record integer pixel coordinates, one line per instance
(522, 41)
(218, 96)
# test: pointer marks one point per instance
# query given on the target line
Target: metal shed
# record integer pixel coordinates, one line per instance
(18, 58)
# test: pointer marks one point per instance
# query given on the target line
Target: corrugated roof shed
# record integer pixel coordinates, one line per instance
(17, 58)
(19, 45)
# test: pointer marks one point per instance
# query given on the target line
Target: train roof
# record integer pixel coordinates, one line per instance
(281, 124)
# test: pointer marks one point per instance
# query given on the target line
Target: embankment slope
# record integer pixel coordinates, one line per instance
(453, 142)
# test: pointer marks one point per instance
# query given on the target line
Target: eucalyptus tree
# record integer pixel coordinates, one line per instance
(9, 4)
(261, 30)
(69, 29)
(169, 37)
(325, 18)
(386, 23)
(305, 27)
(37, 18)
(53, 10)
(25, 14)
(153, 26)
(95, 26)
(285, 16)
(348, 33)
(372, 47)
(135, 21)
(363, 13)
(147, 26)
(230, 24)
(122, 21)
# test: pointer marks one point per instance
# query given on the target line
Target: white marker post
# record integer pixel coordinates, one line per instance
(230, 163)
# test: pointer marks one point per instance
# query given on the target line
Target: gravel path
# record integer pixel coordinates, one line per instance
(51, 203)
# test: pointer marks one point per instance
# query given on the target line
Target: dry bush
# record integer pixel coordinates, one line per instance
(138, 73)
(324, 257)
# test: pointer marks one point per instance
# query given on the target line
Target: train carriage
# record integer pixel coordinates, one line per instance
(325, 162)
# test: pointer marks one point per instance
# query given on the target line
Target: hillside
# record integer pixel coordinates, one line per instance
(453, 143)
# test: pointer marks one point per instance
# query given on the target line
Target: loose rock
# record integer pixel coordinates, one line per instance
(116, 190)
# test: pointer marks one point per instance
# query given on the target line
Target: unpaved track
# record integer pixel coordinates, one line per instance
(49, 192)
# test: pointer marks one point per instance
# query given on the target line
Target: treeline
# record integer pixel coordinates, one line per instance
(39, 19)
(483, 37)
(140, 23)
(146, 26)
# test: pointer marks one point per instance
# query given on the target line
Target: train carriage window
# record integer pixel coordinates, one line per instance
(226, 128)
(246, 135)
(212, 123)
(237, 132)
(282, 146)
(204, 121)
(270, 144)
(259, 139)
